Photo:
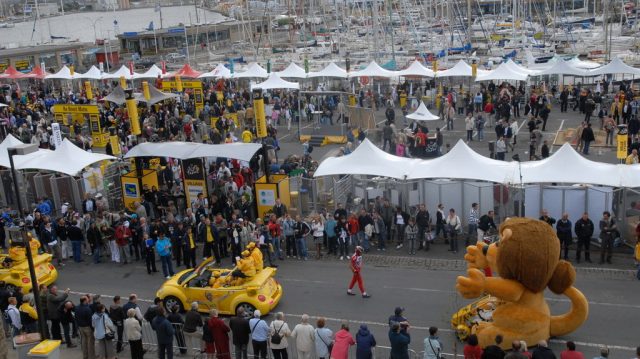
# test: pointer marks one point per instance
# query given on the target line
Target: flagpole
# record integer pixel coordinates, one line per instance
(155, 40)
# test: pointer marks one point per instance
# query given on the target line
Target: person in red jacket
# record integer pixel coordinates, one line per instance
(220, 333)
(356, 267)
(353, 227)
(472, 350)
(123, 236)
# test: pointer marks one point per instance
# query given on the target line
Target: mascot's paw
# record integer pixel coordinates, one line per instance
(472, 286)
(475, 257)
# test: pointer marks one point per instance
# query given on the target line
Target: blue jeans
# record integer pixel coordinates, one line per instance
(585, 149)
(364, 239)
(382, 237)
(77, 250)
(301, 247)
(480, 134)
(167, 267)
(276, 246)
(96, 254)
(473, 233)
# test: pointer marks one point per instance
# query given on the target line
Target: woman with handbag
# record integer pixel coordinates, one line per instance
(323, 339)
(103, 331)
(278, 332)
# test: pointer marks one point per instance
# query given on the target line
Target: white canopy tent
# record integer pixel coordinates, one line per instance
(374, 70)
(293, 71)
(422, 114)
(152, 73)
(275, 82)
(568, 166)
(67, 159)
(461, 69)
(63, 74)
(616, 66)
(253, 71)
(464, 163)
(561, 67)
(93, 73)
(416, 69)
(515, 67)
(366, 159)
(331, 70)
(9, 142)
(219, 72)
(123, 71)
(186, 150)
(503, 72)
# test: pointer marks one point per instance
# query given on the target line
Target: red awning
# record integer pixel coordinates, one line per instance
(186, 71)
(37, 73)
(11, 73)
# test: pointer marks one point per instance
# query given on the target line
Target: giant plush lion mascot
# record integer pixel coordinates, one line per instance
(527, 261)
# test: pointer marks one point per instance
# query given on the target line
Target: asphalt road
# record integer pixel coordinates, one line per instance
(318, 288)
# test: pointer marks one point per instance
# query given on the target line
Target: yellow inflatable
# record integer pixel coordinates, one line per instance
(527, 261)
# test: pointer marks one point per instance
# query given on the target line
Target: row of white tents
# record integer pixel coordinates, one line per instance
(564, 166)
(508, 70)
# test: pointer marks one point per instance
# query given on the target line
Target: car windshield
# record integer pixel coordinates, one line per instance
(185, 276)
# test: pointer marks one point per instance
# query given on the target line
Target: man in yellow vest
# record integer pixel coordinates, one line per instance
(190, 249)
(209, 235)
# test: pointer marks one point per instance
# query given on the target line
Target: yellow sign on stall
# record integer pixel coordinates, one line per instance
(623, 146)
(69, 115)
(195, 88)
(268, 191)
(131, 191)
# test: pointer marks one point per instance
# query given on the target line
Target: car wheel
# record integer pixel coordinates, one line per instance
(171, 301)
(248, 309)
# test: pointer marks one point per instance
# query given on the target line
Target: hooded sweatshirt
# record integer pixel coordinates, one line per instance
(365, 341)
(341, 344)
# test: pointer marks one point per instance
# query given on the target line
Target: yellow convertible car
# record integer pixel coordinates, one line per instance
(260, 292)
(467, 318)
(14, 270)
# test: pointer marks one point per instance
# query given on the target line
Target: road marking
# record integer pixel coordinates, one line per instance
(296, 131)
(556, 137)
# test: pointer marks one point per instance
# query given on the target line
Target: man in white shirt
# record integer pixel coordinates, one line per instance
(14, 316)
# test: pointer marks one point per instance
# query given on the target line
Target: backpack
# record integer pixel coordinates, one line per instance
(276, 338)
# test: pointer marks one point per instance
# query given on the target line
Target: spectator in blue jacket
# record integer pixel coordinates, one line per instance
(163, 247)
(399, 340)
(365, 343)
(164, 332)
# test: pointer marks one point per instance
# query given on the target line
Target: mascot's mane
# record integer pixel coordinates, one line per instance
(531, 256)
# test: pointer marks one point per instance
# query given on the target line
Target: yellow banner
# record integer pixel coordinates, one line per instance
(91, 109)
(261, 121)
(192, 188)
(623, 146)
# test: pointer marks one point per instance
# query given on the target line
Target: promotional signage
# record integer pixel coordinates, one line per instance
(194, 179)
(193, 87)
(71, 114)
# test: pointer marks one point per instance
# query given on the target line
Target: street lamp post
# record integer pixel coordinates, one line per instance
(25, 150)
(93, 23)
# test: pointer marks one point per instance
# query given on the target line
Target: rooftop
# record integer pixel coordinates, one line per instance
(31, 50)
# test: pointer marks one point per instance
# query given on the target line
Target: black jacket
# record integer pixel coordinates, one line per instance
(423, 218)
(83, 315)
(485, 222)
(584, 229)
(564, 229)
(542, 353)
(240, 330)
(492, 352)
